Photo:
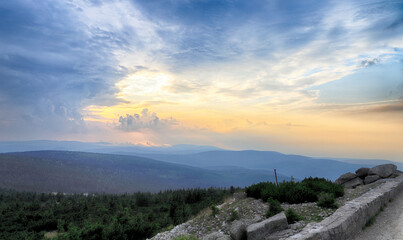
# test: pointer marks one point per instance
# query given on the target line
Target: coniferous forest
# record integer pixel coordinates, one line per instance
(27, 215)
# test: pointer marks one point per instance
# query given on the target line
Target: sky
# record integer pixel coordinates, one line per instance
(319, 78)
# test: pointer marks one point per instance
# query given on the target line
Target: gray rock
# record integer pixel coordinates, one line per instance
(239, 195)
(371, 178)
(397, 173)
(238, 230)
(362, 172)
(384, 170)
(353, 183)
(273, 224)
(216, 236)
(345, 178)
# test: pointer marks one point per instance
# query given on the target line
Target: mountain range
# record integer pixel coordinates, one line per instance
(53, 166)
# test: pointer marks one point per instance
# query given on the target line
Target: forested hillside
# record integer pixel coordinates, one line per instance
(25, 215)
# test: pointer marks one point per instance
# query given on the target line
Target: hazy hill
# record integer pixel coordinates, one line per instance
(289, 165)
(61, 171)
(99, 147)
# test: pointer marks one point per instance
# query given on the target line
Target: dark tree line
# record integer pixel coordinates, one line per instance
(26, 215)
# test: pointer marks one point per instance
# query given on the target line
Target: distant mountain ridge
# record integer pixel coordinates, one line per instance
(99, 147)
(290, 165)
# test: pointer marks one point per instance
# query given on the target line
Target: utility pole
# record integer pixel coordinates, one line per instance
(275, 174)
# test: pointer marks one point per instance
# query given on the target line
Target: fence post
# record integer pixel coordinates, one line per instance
(275, 174)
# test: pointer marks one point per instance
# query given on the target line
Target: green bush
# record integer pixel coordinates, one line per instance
(292, 216)
(292, 192)
(234, 215)
(214, 210)
(274, 207)
(327, 200)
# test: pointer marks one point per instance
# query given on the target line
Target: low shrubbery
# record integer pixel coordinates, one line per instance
(274, 207)
(327, 200)
(292, 216)
(234, 215)
(308, 190)
(214, 210)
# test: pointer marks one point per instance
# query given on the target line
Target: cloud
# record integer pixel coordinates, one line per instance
(368, 63)
(392, 107)
(145, 120)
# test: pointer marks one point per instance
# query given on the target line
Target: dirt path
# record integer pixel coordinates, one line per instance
(388, 224)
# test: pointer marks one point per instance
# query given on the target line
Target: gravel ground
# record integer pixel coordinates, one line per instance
(388, 224)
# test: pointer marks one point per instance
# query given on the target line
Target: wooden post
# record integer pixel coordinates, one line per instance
(275, 174)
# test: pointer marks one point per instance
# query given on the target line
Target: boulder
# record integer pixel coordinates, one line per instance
(384, 170)
(273, 224)
(216, 236)
(397, 173)
(345, 178)
(371, 178)
(362, 172)
(353, 183)
(238, 230)
(239, 195)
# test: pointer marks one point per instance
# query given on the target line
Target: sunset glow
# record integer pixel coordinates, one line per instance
(320, 78)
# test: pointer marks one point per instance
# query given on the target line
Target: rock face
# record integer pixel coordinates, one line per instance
(353, 183)
(371, 178)
(216, 236)
(362, 172)
(273, 224)
(345, 178)
(238, 230)
(384, 170)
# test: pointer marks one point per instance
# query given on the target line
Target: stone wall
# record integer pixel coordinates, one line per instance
(348, 220)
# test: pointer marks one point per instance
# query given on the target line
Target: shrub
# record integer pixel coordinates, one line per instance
(274, 208)
(292, 216)
(327, 200)
(234, 215)
(214, 210)
(322, 185)
(307, 190)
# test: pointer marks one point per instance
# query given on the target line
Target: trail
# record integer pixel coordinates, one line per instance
(388, 224)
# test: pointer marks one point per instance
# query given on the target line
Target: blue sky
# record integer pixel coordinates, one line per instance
(210, 72)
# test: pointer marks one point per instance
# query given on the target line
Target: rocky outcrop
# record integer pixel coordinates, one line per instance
(345, 178)
(239, 195)
(383, 171)
(362, 172)
(368, 175)
(348, 220)
(238, 230)
(353, 183)
(371, 178)
(273, 224)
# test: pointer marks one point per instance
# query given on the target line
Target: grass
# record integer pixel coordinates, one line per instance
(185, 237)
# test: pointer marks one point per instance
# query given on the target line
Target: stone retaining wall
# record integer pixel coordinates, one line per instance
(348, 220)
